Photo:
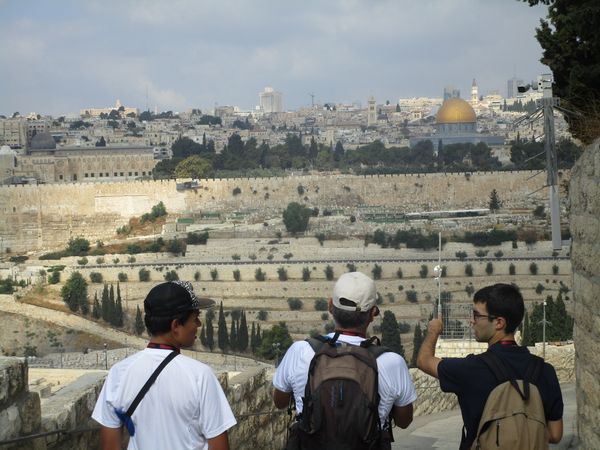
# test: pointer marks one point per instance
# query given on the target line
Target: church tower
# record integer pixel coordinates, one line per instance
(474, 93)
(371, 112)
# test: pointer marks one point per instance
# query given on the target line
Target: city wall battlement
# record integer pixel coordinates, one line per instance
(46, 216)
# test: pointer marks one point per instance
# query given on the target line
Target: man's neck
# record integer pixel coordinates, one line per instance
(352, 332)
(165, 339)
(501, 337)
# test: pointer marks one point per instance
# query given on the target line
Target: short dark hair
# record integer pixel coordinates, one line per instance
(350, 319)
(157, 325)
(503, 300)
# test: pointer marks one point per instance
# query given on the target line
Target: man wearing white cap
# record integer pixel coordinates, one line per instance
(353, 307)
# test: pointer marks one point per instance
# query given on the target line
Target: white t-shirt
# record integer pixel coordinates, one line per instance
(395, 385)
(183, 408)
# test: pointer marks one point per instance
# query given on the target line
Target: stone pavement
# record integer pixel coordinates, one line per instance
(442, 431)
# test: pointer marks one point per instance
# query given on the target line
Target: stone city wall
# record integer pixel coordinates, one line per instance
(46, 216)
(585, 228)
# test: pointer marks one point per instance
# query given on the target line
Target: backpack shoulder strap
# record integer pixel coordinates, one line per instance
(316, 342)
(534, 370)
(502, 374)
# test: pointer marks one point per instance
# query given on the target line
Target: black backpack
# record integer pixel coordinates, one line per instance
(341, 397)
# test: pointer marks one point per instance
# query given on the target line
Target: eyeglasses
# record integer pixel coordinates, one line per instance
(477, 316)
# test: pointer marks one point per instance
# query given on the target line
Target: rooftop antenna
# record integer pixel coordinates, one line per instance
(312, 99)
(546, 110)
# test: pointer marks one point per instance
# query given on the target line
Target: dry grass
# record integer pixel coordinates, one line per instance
(45, 298)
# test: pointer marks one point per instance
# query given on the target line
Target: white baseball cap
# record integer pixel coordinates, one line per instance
(357, 288)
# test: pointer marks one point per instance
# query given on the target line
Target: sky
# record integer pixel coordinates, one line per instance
(60, 56)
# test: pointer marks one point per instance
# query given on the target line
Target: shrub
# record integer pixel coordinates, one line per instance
(262, 315)
(18, 259)
(83, 261)
(197, 238)
(287, 256)
(399, 273)
(423, 272)
(391, 297)
(305, 274)
(411, 296)
(539, 288)
(324, 316)
(133, 249)
(468, 270)
(469, 289)
(351, 267)
(99, 260)
(282, 274)
(511, 269)
(259, 275)
(481, 253)
(555, 269)
(54, 277)
(237, 191)
(461, 255)
(376, 272)
(197, 275)
(300, 189)
(214, 274)
(321, 304)
(131, 259)
(352, 219)
(499, 254)
(116, 260)
(144, 275)
(533, 268)
(78, 246)
(96, 277)
(329, 272)
(489, 268)
(515, 245)
(171, 276)
(252, 256)
(122, 277)
(237, 276)
(321, 238)
(270, 256)
(295, 303)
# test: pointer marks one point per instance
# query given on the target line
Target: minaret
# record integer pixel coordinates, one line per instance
(474, 93)
(371, 112)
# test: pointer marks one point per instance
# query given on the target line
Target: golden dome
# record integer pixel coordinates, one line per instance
(456, 110)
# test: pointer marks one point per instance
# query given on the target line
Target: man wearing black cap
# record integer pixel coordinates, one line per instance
(184, 407)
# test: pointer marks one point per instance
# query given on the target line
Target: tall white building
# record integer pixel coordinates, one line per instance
(271, 101)
(372, 112)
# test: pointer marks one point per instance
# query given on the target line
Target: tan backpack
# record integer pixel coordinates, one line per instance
(513, 417)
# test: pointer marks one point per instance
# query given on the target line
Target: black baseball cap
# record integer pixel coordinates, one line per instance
(172, 298)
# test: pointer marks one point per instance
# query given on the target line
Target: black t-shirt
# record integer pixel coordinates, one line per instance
(472, 381)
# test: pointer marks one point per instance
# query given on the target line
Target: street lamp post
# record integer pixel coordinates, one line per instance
(105, 357)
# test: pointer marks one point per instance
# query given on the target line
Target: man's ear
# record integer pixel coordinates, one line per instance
(501, 323)
(174, 324)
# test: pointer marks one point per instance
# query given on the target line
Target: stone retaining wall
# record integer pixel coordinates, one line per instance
(585, 228)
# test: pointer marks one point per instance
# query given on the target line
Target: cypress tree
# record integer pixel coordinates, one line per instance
(84, 304)
(258, 336)
(243, 334)
(203, 336)
(105, 303)
(210, 339)
(119, 312)
(417, 341)
(96, 313)
(526, 336)
(390, 335)
(112, 308)
(233, 335)
(253, 339)
(139, 322)
(223, 338)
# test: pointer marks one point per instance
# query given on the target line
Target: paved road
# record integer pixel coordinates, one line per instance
(442, 431)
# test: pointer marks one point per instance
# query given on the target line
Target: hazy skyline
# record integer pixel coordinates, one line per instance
(64, 55)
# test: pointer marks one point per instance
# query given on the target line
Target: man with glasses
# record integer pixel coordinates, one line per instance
(497, 312)
(163, 399)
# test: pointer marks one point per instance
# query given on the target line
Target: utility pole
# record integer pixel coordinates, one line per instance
(544, 322)
(437, 271)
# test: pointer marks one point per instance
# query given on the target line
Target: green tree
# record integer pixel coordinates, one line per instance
(489, 268)
(469, 270)
(329, 272)
(282, 274)
(54, 277)
(511, 269)
(119, 315)
(274, 342)
(74, 291)
(533, 268)
(78, 246)
(376, 272)
(193, 167)
(223, 337)
(253, 343)
(259, 275)
(139, 321)
(233, 334)
(243, 334)
(390, 335)
(423, 272)
(203, 335)
(295, 217)
(96, 311)
(417, 341)
(305, 274)
(569, 39)
(494, 203)
(237, 276)
(295, 303)
(321, 304)
(210, 338)
(144, 275)
(214, 274)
